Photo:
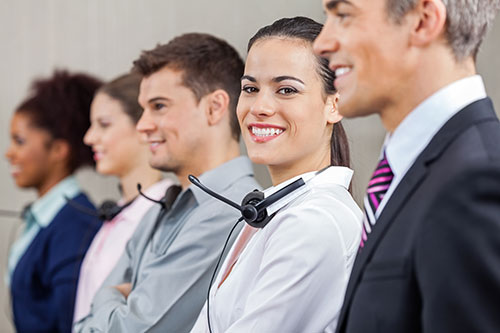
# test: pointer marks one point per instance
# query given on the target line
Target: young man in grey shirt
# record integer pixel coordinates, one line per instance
(189, 93)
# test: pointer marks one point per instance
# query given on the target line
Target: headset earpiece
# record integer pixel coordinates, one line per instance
(249, 210)
(254, 206)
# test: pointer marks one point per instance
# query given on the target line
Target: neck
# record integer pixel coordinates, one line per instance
(208, 159)
(50, 182)
(281, 173)
(144, 174)
(430, 75)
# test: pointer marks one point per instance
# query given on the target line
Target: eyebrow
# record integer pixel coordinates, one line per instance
(286, 77)
(333, 4)
(157, 99)
(276, 79)
(249, 78)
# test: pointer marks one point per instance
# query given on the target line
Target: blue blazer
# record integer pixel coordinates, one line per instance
(44, 282)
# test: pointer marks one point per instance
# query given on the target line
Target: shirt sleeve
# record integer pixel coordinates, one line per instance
(302, 279)
(173, 285)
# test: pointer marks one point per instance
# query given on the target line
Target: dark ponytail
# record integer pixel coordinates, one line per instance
(306, 29)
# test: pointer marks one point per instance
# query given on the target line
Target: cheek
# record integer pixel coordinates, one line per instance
(34, 166)
(120, 144)
(242, 109)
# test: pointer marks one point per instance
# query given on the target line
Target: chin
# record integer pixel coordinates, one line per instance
(162, 166)
(259, 159)
(21, 183)
(103, 170)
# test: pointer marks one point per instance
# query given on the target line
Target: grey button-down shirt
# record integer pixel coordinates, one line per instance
(170, 266)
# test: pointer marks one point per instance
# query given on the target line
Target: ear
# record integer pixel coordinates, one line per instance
(331, 110)
(217, 106)
(59, 150)
(430, 22)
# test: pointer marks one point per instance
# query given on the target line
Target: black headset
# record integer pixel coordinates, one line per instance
(254, 205)
(107, 211)
(253, 210)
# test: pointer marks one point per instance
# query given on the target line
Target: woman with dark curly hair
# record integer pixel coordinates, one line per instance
(46, 148)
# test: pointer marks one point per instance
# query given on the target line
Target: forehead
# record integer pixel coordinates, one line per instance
(105, 104)
(161, 83)
(21, 120)
(333, 4)
(281, 56)
(21, 123)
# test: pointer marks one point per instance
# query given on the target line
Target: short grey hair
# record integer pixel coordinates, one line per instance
(467, 22)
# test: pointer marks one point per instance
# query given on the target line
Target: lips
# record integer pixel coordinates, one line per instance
(342, 71)
(155, 144)
(15, 170)
(264, 132)
(97, 156)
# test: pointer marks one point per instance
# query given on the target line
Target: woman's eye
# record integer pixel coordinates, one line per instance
(158, 106)
(249, 89)
(341, 16)
(19, 141)
(104, 125)
(287, 91)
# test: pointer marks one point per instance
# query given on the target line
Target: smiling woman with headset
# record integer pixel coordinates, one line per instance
(118, 151)
(291, 275)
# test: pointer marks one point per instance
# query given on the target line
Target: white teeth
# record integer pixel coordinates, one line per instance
(15, 168)
(154, 144)
(341, 71)
(270, 131)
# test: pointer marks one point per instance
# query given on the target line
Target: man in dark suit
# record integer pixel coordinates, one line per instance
(429, 258)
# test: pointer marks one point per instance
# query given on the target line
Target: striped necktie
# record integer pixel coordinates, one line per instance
(377, 187)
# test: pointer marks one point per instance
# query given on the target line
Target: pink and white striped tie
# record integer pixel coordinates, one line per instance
(377, 187)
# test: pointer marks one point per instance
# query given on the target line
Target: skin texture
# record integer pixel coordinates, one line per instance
(286, 93)
(113, 137)
(117, 146)
(392, 66)
(185, 136)
(37, 160)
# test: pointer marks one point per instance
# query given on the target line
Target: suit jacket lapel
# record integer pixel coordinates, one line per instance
(474, 113)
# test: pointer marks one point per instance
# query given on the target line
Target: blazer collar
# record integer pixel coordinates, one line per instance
(479, 111)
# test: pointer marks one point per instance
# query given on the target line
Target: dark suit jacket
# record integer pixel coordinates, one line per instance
(432, 261)
(44, 282)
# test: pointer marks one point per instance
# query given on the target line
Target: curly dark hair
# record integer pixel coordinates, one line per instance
(207, 62)
(60, 105)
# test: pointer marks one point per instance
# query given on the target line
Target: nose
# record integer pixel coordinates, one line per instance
(89, 137)
(145, 124)
(326, 42)
(9, 153)
(263, 105)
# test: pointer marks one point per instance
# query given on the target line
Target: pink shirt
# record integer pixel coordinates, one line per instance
(108, 245)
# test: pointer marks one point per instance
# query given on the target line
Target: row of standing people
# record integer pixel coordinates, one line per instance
(188, 114)
(292, 275)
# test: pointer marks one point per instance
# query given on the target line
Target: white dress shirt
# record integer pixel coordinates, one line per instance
(291, 276)
(416, 131)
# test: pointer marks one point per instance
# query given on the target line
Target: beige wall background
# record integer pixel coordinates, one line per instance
(103, 37)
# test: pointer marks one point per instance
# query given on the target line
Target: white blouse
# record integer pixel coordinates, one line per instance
(292, 275)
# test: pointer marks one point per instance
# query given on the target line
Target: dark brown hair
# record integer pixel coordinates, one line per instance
(60, 105)
(305, 29)
(125, 89)
(208, 63)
